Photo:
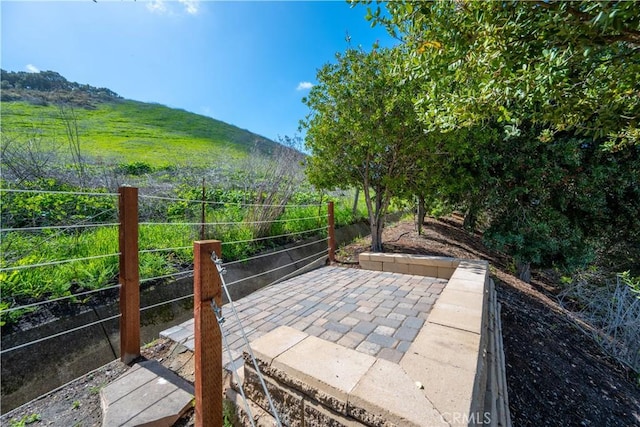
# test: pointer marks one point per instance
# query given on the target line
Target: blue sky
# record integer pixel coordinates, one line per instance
(246, 63)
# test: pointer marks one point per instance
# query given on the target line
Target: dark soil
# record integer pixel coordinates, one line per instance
(557, 375)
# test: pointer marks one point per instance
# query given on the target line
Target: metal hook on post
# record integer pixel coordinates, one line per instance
(218, 312)
(218, 262)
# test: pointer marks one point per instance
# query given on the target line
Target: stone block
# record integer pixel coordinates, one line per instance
(457, 284)
(335, 370)
(288, 402)
(393, 267)
(423, 270)
(386, 395)
(445, 272)
(448, 387)
(316, 415)
(276, 342)
(371, 265)
(453, 346)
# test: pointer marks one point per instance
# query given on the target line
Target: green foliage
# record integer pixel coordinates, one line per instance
(134, 168)
(130, 131)
(27, 419)
(46, 209)
(632, 282)
(361, 130)
(569, 65)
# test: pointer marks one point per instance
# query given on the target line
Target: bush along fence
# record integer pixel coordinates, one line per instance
(130, 269)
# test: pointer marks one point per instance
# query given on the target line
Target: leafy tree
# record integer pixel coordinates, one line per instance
(570, 65)
(362, 131)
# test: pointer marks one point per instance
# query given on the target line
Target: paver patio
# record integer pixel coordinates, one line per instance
(373, 312)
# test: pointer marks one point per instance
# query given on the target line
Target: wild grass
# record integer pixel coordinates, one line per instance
(125, 130)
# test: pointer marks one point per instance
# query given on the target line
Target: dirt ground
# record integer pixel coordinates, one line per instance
(556, 374)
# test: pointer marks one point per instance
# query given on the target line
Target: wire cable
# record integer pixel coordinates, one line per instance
(232, 222)
(64, 261)
(149, 307)
(274, 253)
(79, 193)
(173, 275)
(59, 334)
(218, 313)
(275, 269)
(174, 199)
(149, 251)
(273, 237)
(218, 264)
(35, 304)
(58, 227)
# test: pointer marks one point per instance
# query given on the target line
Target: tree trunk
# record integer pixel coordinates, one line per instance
(354, 211)
(376, 235)
(422, 213)
(524, 271)
(471, 217)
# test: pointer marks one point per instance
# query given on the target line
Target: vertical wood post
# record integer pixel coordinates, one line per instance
(129, 275)
(208, 340)
(332, 233)
(202, 213)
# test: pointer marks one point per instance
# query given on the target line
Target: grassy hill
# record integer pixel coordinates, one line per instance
(114, 129)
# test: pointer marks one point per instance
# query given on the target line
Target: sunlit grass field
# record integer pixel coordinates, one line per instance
(126, 130)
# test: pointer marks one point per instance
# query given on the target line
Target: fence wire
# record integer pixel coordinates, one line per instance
(35, 304)
(274, 252)
(257, 239)
(218, 263)
(276, 269)
(75, 193)
(233, 222)
(58, 227)
(27, 344)
(64, 261)
(207, 202)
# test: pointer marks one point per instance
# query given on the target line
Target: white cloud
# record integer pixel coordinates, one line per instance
(304, 86)
(32, 68)
(157, 6)
(191, 6)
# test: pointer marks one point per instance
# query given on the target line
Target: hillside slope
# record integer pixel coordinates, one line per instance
(112, 128)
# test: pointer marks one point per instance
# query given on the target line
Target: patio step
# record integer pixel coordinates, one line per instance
(341, 387)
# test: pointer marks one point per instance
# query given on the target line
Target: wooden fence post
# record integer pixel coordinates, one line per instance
(332, 233)
(208, 340)
(129, 275)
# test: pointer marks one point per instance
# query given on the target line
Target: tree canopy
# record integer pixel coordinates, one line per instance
(522, 113)
(362, 130)
(566, 65)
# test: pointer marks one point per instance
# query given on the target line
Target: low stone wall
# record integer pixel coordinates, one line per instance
(452, 374)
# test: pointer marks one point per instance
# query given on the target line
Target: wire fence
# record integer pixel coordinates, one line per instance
(239, 204)
(316, 256)
(82, 296)
(236, 223)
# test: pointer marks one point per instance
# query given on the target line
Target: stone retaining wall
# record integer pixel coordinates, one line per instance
(452, 374)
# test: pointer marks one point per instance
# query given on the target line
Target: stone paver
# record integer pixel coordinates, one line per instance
(370, 311)
(147, 394)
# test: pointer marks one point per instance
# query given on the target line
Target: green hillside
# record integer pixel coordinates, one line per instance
(113, 129)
